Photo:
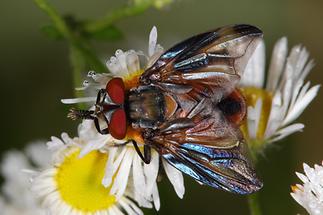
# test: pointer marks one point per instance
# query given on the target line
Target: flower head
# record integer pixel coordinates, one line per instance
(310, 194)
(124, 169)
(276, 104)
(17, 199)
(72, 185)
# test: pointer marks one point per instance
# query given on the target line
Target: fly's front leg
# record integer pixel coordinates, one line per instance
(120, 144)
(146, 157)
(98, 128)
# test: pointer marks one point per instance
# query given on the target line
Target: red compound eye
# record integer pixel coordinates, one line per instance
(118, 124)
(115, 89)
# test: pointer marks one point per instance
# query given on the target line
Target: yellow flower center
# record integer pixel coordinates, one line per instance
(252, 95)
(79, 182)
(132, 80)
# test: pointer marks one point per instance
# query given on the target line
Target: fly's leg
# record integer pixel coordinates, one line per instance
(146, 157)
(98, 128)
(119, 144)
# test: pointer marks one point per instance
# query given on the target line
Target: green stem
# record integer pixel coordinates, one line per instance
(253, 199)
(116, 15)
(254, 204)
(76, 41)
(78, 67)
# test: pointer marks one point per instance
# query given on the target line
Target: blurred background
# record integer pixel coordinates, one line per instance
(35, 74)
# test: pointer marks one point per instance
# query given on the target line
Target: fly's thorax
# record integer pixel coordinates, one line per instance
(146, 106)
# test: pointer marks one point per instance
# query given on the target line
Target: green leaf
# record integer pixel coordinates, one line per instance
(75, 40)
(109, 33)
(52, 32)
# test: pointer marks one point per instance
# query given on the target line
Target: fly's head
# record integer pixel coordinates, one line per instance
(108, 115)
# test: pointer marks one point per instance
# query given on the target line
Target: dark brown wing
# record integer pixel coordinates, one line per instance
(208, 148)
(211, 62)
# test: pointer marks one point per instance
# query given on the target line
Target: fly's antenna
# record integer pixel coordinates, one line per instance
(75, 114)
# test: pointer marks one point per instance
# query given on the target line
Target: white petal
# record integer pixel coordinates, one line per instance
(275, 116)
(291, 68)
(139, 182)
(121, 56)
(130, 207)
(254, 114)
(152, 41)
(254, 73)
(298, 92)
(302, 104)
(287, 95)
(113, 165)
(39, 154)
(175, 177)
(287, 131)
(156, 197)
(120, 182)
(296, 197)
(87, 131)
(132, 59)
(134, 207)
(303, 178)
(114, 66)
(301, 62)
(127, 208)
(109, 169)
(91, 146)
(151, 172)
(78, 100)
(277, 64)
(309, 66)
(55, 143)
(66, 138)
(308, 170)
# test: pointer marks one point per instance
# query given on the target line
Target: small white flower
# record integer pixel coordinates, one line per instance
(124, 169)
(310, 194)
(276, 104)
(72, 185)
(17, 198)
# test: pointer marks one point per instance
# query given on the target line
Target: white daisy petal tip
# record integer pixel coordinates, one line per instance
(152, 41)
(176, 178)
(310, 194)
(283, 41)
(106, 182)
(78, 100)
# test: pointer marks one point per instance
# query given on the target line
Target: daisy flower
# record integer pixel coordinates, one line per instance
(16, 198)
(124, 168)
(276, 103)
(72, 185)
(310, 194)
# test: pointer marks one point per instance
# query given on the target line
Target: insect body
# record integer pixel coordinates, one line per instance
(187, 107)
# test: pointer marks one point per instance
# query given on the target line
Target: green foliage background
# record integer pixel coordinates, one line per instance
(35, 73)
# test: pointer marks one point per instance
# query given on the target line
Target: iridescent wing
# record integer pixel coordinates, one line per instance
(209, 148)
(202, 138)
(211, 62)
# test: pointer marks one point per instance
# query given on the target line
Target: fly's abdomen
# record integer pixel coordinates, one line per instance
(146, 107)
